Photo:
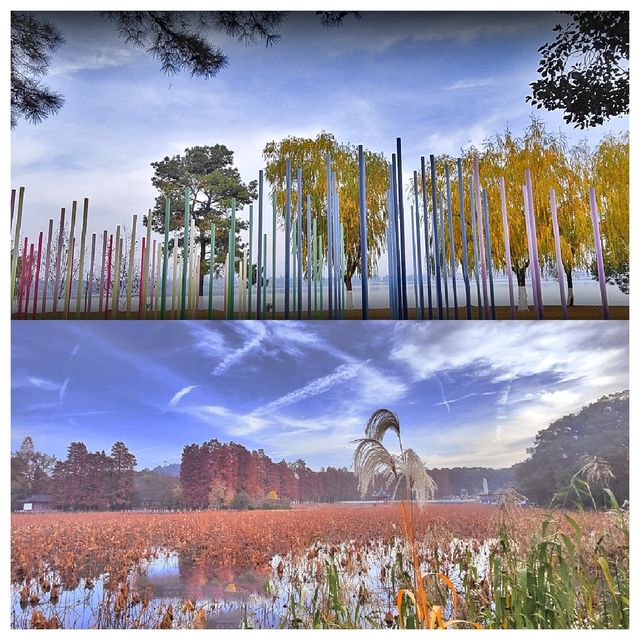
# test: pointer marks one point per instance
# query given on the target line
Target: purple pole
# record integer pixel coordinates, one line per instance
(507, 246)
(597, 239)
(556, 240)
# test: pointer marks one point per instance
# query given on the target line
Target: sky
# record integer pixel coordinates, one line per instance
(466, 394)
(437, 80)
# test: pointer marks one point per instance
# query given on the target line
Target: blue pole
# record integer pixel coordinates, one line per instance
(309, 261)
(299, 221)
(434, 233)
(418, 247)
(415, 268)
(403, 261)
(287, 242)
(463, 228)
(329, 240)
(426, 235)
(452, 250)
(475, 245)
(489, 263)
(443, 255)
(261, 257)
(390, 257)
(396, 233)
(250, 269)
(363, 235)
(336, 247)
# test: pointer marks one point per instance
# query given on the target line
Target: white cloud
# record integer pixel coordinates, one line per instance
(181, 394)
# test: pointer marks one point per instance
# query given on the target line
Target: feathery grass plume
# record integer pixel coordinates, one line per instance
(371, 458)
(380, 422)
(421, 484)
(595, 470)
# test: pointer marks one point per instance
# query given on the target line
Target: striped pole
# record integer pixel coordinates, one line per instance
(185, 252)
(434, 233)
(70, 252)
(91, 263)
(420, 307)
(463, 233)
(83, 236)
(16, 242)
(47, 264)
(165, 257)
(363, 232)
(556, 241)
(102, 271)
(507, 247)
(262, 253)
(287, 241)
(299, 241)
(489, 263)
(427, 256)
(452, 250)
(597, 240)
(309, 258)
(474, 235)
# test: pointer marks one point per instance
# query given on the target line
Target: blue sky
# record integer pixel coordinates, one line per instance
(438, 80)
(465, 393)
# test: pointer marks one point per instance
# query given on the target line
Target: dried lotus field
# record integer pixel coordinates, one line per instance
(316, 567)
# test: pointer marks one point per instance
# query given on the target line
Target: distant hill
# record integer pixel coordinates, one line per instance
(599, 429)
(168, 469)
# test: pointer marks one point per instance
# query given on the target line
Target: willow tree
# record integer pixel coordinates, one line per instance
(310, 155)
(611, 181)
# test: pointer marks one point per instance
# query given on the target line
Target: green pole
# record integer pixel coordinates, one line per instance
(273, 266)
(232, 261)
(212, 254)
(250, 271)
(16, 242)
(165, 257)
(185, 252)
(85, 213)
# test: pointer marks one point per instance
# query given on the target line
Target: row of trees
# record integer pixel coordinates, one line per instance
(213, 474)
(94, 481)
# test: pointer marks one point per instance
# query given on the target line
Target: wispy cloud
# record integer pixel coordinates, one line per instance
(63, 389)
(181, 394)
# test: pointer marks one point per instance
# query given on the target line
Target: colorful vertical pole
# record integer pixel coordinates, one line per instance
(415, 268)
(230, 274)
(102, 271)
(47, 264)
(597, 240)
(212, 254)
(463, 235)
(443, 251)
(403, 264)
(480, 227)
(287, 241)
(418, 248)
(474, 236)
(507, 246)
(262, 253)
(91, 264)
(37, 276)
(185, 252)
(273, 261)
(329, 241)
(534, 243)
(16, 242)
(165, 257)
(299, 242)
(175, 283)
(423, 176)
(452, 249)
(263, 281)
(556, 241)
(132, 255)
(316, 267)
(363, 233)
(70, 251)
(489, 263)
(250, 258)
(115, 303)
(108, 287)
(434, 233)
(83, 236)
(58, 267)
(396, 235)
(309, 257)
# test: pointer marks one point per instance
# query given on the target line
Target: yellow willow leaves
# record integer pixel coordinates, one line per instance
(553, 164)
(310, 155)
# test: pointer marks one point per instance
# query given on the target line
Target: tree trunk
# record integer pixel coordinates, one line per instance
(522, 289)
(569, 287)
(347, 282)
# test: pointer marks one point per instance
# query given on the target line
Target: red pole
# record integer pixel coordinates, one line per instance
(35, 290)
(28, 281)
